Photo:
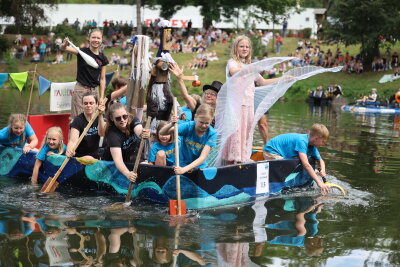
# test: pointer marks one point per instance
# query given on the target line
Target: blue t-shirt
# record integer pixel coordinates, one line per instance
(289, 145)
(192, 145)
(123, 100)
(188, 113)
(15, 140)
(169, 152)
(42, 155)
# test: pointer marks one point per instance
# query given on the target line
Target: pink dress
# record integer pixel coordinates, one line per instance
(236, 147)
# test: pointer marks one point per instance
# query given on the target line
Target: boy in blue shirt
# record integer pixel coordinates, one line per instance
(293, 145)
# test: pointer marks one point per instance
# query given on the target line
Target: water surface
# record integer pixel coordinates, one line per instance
(301, 228)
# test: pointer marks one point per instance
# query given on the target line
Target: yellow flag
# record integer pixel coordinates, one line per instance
(19, 79)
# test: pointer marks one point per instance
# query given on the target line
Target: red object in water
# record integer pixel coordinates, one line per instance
(173, 207)
(196, 83)
(41, 123)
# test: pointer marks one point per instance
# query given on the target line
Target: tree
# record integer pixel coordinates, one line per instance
(25, 12)
(369, 23)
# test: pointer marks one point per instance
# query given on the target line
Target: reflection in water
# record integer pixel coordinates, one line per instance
(28, 238)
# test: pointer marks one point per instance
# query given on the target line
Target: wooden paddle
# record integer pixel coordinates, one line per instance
(136, 166)
(177, 207)
(51, 183)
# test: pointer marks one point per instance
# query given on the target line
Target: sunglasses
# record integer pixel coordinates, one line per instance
(123, 117)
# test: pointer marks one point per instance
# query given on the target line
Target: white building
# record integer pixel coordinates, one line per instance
(296, 21)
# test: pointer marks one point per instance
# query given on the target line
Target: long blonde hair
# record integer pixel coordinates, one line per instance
(234, 50)
(15, 118)
(60, 134)
(205, 110)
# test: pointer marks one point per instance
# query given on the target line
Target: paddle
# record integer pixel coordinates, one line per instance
(136, 166)
(51, 183)
(334, 186)
(177, 207)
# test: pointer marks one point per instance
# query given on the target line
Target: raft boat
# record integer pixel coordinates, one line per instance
(200, 188)
(371, 109)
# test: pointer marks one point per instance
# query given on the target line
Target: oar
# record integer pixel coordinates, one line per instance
(333, 185)
(51, 183)
(177, 207)
(136, 166)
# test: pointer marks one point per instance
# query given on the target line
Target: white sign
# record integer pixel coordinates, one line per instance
(57, 250)
(262, 178)
(260, 234)
(61, 95)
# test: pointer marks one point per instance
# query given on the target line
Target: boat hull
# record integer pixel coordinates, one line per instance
(200, 188)
(371, 109)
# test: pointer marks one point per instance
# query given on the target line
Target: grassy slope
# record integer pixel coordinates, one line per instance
(353, 85)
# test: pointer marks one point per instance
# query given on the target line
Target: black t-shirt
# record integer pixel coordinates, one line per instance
(128, 144)
(86, 74)
(90, 143)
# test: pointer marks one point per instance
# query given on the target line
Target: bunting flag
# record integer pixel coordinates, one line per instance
(44, 85)
(108, 77)
(19, 79)
(61, 96)
(3, 78)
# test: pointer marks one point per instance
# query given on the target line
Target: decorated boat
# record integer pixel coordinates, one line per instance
(372, 108)
(200, 188)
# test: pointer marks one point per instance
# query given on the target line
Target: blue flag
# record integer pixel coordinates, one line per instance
(43, 85)
(109, 77)
(3, 78)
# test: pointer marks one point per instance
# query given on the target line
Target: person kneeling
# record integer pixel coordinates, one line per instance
(162, 152)
(293, 145)
(198, 137)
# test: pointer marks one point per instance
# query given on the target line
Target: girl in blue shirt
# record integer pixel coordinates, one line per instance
(198, 137)
(19, 133)
(162, 152)
(52, 144)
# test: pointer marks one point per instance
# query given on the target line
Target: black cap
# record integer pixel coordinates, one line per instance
(215, 85)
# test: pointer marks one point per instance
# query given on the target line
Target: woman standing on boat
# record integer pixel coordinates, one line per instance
(88, 78)
(19, 133)
(123, 134)
(89, 146)
(235, 149)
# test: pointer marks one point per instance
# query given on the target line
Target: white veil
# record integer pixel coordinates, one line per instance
(229, 101)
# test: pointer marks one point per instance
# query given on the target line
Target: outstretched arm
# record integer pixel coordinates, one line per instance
(189, 100)
(310, 170)
(67, 48)
(196, 163)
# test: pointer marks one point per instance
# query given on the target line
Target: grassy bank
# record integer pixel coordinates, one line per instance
(354, 85)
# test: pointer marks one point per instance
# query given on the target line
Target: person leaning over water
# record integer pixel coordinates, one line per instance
(294, 145)
(89, 146)
(123, 134)
(19, 133)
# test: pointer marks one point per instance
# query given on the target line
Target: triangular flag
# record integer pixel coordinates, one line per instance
(19, 79)
(3, 78)
(43, 85)
(109, 77)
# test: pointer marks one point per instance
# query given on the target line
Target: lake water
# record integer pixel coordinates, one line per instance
(301, 228)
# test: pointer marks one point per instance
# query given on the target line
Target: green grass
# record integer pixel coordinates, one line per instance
(354, 85)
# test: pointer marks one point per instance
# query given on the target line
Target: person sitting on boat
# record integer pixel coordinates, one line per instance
(198, 137)
(370, 98)
(293, 145)
(162, 151)
(337, 91)
(123, 133)
(19, 133)
(210, 91)
(395, 98)
(120, 86)
(51, 144)
(89, 146)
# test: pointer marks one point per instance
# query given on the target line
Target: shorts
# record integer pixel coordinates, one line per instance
(77, 102)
